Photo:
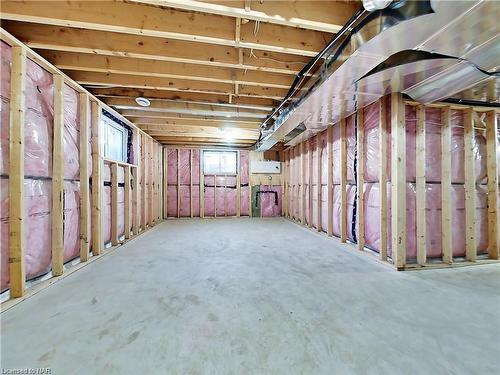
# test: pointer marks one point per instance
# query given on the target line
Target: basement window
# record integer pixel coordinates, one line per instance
(220, 162)
(115, 139)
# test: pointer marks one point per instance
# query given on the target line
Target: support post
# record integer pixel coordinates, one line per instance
(178, 182)
(360, 178)
(165, 183)
(127, 196)
(329, 135)
(114, 204)
(470, 187)
(492, 150)
(343, 181)
(319, 185)
(310, 162)
(135, 201)
(191, 182)
(383, 179)
(420, 187)
(84, 177)
(17, 269)
(144, 207)
(202, 186)
(238, 186)
(398, 181)
(58, 178)
(446, 185)
(97, 166)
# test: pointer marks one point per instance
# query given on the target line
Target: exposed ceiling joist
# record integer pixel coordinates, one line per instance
(165, 69)
(93, 42)
(139, 19)
(159, 121)
(202, 98)
(124, 80)
(161, 115)
(327, 16)
(146, 123)
(184, 108)
(201, 131)
(127, 99)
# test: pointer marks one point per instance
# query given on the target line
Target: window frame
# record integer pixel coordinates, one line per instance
(236, 163)
(108, 122)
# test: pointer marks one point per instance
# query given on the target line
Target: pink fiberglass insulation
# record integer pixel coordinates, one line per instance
(185, 204)
(337, 170)
(244, 160)
(5, 62)
(209, 195)
(71, 136)
(231, 197)
(196, 200)
(195, 175)
(371, 135)
(38, 239)
(350, 133)
(172, 172)
(351, 198)
(220, 203)
(433, 219)
(324, 157)
(4, 234)
(324, 208)
(172, 201)
(315, 206)
(184, 166)
(268, 206)
(121, 201)
(106, 215)
(245, 201)
(71, 220)
(38, 121)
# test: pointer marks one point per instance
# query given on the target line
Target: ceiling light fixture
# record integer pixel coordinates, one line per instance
(143, 102)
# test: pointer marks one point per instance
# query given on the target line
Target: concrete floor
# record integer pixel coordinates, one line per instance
(255, 296)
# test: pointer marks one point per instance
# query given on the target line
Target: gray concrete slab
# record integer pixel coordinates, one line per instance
(255, 296)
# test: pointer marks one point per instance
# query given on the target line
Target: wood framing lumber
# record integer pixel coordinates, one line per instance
(17, 269)
(85, 156)
(57, 213)
(446, 209)
(470, 187)
(420, 187)
(398, 181)
(383, 179)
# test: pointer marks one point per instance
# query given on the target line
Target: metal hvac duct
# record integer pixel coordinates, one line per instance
(456, 47)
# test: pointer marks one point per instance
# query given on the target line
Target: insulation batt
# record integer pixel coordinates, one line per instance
(5, 62)
(268, 207)
(39, 119)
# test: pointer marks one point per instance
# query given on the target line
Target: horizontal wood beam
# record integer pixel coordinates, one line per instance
(204, 132)
(93, 42)
(327, 16)
(166, 69)
(154, 123)
(138, 19)
(202, 98)
(180, 107)
(173, 116)
(125, 80)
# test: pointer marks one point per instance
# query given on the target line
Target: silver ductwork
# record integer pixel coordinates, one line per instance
(460, 45)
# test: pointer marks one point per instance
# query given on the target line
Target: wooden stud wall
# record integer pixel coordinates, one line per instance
(395, 126)
(91, 196)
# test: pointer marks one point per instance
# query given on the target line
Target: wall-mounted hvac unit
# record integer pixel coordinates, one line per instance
(266, 167)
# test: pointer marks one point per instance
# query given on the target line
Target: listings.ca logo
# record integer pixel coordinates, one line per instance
(28, 371)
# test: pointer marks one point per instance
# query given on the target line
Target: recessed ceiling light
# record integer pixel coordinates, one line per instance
(143, 102)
